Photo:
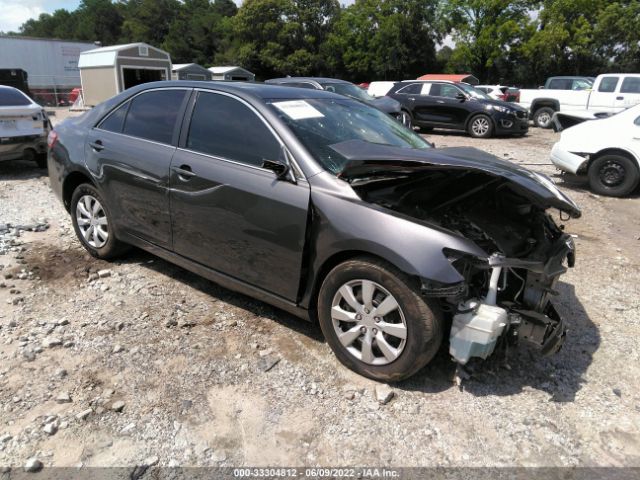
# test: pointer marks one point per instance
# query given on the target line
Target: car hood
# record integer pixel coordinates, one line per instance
(386, 104)
(500, 103)
(371, 162)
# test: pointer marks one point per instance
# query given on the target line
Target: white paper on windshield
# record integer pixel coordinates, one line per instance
(298, 109)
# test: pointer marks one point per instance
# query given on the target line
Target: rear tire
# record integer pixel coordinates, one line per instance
(613, 175)
(542, 117)
(93, 223)
(396, 310)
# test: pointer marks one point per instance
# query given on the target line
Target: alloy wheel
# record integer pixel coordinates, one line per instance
(480, 126)
(544, 119)
(369, 322)
(92, 221)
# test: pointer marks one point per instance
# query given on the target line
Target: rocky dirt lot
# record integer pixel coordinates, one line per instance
(139, 362)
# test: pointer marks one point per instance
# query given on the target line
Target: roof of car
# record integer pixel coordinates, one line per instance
(260, 90)
(313, 79)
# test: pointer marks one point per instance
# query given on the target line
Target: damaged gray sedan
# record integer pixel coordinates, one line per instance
(324, 207)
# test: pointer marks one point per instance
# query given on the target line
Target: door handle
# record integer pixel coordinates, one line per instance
(412, 99)
(97, 145)
(184, 172)
(439, 101)
(619, 98)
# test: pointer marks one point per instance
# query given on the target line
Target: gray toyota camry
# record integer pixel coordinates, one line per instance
(326, 208)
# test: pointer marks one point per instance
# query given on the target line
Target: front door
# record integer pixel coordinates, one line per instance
(228, 212)
(130, 153)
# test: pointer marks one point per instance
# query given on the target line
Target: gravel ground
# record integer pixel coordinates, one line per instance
(139, 362)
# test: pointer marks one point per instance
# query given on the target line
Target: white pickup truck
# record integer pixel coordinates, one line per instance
(611, 92)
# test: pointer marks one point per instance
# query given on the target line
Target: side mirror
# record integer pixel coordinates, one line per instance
(461, 96)
(281, 167)
(277, 166)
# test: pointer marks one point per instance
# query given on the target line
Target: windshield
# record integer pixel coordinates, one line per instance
(321, 123)
(348, 90)
(473, 92)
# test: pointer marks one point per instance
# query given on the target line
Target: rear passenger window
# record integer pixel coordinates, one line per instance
(560, 84)
(153, 115)
(608, 84)
(630, 85)
(115, 121)
(225, 127)
(413, 89)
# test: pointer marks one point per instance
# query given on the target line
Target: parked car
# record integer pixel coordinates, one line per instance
(329, 209)
(342, 87)
(380, 89)
(606, 150)
(500, 92)
(458, 106)
(611, 93)
(24, 127)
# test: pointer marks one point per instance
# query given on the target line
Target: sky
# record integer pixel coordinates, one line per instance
(14, 13)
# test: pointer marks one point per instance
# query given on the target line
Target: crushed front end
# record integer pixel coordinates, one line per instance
(504, 296)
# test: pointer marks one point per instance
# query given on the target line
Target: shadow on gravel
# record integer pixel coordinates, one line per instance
(580, 183)
(256, 307)
(20, 170)
(521, 368)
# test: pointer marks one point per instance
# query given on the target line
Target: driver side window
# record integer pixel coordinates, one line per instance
(225, 127)
(444, 90)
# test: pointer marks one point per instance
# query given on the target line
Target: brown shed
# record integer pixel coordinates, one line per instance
(107, 71)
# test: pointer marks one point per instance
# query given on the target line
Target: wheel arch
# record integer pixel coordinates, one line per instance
(545, 102)
(71, 182)
(333, 261)
(614, 151)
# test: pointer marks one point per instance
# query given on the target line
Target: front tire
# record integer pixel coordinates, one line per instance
(93, 223)
(376, 321)
(480, 126)
(613, 175)
(542, 117)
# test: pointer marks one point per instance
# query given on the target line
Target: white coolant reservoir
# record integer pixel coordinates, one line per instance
(475, 330)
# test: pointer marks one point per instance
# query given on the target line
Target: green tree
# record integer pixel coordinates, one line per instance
(195, 33)
(60, 24)
(148, 20)
(282, 37)
(485, 32)
(97, 20)
(385, 39)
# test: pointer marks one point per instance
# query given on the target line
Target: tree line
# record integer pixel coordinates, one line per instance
(517, 42)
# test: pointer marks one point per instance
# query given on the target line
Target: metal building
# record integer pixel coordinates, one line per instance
(189, 71)
(232, 73)
(51, 65)
(107, 71)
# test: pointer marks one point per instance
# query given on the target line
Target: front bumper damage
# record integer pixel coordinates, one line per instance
(480, 323)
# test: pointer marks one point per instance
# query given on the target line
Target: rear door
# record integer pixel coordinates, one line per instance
(603, 96)
(629, 93)
(228, 212)
(130, 152)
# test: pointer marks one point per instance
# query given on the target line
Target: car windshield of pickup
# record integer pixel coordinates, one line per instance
(321, 123)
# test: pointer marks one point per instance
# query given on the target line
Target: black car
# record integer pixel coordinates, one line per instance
(325, 207)
(458, 106)
(342, 87)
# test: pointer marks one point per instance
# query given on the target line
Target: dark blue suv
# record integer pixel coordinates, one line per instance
(458, 106)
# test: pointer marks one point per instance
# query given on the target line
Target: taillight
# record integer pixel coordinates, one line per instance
(52, 138)
(503, 97)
